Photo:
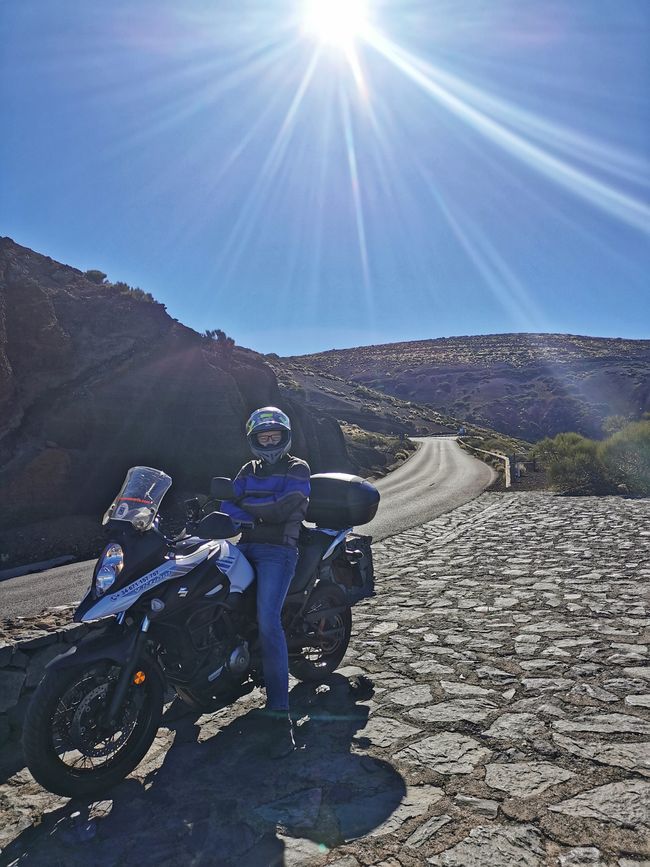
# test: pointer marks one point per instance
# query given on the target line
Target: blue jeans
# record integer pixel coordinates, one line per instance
(274, 566)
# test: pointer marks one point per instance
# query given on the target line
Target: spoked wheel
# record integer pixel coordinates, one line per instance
(328, 636)
(69, 747)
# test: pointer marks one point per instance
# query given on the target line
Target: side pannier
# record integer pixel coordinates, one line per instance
(353, 568)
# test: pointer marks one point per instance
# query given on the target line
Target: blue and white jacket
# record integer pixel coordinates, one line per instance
(274, 496)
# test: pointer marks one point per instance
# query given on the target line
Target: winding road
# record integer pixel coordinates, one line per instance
(439, 477)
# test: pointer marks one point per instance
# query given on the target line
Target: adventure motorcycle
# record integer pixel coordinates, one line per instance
(162, 620)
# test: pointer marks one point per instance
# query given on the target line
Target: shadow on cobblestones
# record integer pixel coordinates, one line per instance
(508, 722)
(11, 760)
(217, 798)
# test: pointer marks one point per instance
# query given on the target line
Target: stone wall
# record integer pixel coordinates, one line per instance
(23, 659)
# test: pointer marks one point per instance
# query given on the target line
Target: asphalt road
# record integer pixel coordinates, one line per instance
(439, 477)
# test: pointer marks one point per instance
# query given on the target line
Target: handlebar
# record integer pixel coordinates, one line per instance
(193, 520)
(192, 526)
(199, 507)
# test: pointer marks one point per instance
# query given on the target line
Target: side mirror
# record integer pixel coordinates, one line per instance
(221, 488)
(216, 525)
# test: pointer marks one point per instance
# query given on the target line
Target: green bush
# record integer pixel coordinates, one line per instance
(614, 423)
(626, 457)
(493, 445)
(95, 276)
(135, 292)
(577, 465)
(574, 464)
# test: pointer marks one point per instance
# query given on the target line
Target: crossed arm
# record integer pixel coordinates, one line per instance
(263, 505)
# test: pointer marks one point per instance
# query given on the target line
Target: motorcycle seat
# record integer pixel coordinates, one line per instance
(311, 547)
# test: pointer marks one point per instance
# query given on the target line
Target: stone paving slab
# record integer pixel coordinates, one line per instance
(493, 710)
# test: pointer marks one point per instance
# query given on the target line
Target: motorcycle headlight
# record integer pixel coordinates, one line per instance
(109, 566)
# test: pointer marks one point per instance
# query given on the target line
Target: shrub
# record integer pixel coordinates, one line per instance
(294, 386)
(574, 464)
(141, 295)
(626, 457)
(493, 445)
(135, 292)
(95, 276)
(224, 345)
(614, 423)
(220, 337)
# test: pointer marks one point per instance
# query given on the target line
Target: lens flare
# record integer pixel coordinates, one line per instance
(363, 140)
(335, 22)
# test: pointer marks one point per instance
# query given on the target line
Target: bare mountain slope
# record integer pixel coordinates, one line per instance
(526, 385)
(95, 378)
(371, 419)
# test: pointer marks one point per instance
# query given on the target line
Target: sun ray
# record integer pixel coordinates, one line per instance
(352, 57)
(356, 191)
(321, 192)
(503, 283)
(197, 96)
(185, 230)
(602, 157)
(625, 207)
(249, 213)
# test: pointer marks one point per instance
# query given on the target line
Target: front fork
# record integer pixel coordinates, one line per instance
(128, 670)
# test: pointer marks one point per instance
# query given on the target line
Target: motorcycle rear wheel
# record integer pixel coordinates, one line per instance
(63, 739)
(332, 634)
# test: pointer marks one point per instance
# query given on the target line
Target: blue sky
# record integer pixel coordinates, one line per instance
(460, 167)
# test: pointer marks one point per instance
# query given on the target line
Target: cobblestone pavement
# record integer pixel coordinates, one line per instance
(494, 712)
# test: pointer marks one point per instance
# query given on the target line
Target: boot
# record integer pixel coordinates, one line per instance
(280, 730)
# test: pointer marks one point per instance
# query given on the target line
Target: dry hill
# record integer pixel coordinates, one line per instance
(526, 385)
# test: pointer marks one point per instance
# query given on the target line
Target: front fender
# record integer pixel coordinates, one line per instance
(107, 644)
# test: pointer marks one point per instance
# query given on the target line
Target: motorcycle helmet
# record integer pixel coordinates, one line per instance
(269, 419)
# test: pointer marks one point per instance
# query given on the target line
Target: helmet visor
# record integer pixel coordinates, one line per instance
(269, 438)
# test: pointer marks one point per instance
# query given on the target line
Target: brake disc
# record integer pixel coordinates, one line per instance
(87, 729)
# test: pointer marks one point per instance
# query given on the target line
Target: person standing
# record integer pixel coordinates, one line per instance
(271, 492)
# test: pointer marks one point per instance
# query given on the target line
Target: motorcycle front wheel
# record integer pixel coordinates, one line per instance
(69, 748)
(327, 636)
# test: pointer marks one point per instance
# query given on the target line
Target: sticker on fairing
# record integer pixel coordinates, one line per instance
(147, 581)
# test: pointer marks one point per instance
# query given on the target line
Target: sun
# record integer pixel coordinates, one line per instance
(335, 22)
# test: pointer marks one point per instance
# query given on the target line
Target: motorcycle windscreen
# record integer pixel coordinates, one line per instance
(139, 498)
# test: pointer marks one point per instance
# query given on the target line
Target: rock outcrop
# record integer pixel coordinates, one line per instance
(95, 378)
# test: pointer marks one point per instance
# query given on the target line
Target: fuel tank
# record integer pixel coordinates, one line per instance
(231, 562)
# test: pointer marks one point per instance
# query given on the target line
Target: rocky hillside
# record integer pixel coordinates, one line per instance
(96, 377)
(357, 404)
(526, 385)
(376, 425)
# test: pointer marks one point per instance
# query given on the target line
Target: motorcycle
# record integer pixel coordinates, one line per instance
(163, 622)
